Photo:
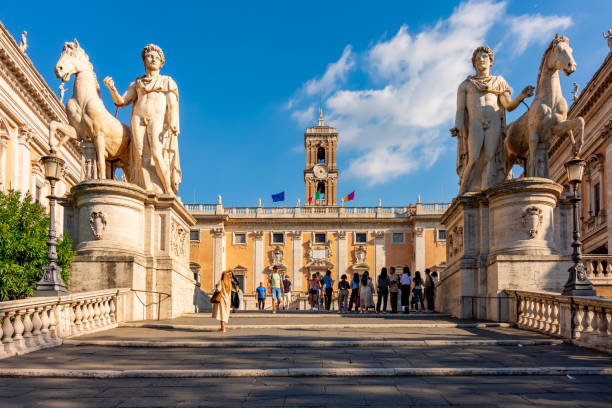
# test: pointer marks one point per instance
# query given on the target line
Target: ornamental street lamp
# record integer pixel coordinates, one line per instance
(577, 284)
(51, 283)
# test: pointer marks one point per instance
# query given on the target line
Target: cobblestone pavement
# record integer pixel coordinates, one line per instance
(472, 391)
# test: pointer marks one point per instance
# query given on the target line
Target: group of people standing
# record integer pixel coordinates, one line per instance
(359, 292)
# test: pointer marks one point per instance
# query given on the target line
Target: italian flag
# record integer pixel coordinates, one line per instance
(316, 196)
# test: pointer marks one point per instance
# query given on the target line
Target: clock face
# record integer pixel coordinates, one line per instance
(320, 171)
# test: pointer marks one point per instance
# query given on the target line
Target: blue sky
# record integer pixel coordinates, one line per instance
(250, 75)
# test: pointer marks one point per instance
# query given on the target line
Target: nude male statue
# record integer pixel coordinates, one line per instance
(154, 124)
(480, 124)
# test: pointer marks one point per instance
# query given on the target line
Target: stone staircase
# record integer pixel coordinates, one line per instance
(309, 359)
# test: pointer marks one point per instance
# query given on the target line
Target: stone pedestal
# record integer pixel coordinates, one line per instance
(127, 237)
(512, 236)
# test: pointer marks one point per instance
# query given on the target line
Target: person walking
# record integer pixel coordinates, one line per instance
(365, 292)
(321, 291)
(221, 310)
(405, 282)
(328, 285)
(343, 290)
(286, 293)
(235, 296)
(394, 288)
(275, 288)
(354, 300)
(417, 291)
(430, 285)
(383, 290)
(261, 296)
(313, 290)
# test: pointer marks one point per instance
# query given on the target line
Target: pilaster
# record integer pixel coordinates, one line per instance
(218, 253)
(379, 252)
(296, 260)
(342, 252)
(608, 190)
(258, 258)
(22, 153)
(3, 147)
(419, 249)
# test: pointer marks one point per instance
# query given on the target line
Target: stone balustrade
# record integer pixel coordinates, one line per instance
(35, 323)
(599, 272)
(586, 321)
(317, 211)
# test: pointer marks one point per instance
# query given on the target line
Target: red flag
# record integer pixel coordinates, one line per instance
(349, 197)
(310, 199)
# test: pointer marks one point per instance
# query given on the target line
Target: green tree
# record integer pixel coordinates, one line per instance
(24, 230)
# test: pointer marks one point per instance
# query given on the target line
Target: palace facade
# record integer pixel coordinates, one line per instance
(317, 236)
(27, 106)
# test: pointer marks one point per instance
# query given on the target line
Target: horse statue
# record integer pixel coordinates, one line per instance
(89, 120)
(527, 138)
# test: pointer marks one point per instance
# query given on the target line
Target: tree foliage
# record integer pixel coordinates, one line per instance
(24, 230)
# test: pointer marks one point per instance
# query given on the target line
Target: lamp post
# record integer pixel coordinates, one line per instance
(577, 284)
(51, 283)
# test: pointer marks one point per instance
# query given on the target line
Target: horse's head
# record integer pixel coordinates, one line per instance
(72, 60)
(561, 57)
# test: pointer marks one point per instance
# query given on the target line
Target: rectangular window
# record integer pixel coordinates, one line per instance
(278, 238)
(320, 238)
(194, 235)
(596, 198)
(361, 237)
(441, 235)
(240, 238)
(397, 238)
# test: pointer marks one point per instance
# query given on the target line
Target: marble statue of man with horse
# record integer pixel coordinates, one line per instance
(147, 149)
(487, 149)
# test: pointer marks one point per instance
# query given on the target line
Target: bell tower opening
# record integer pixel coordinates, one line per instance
(321, 171)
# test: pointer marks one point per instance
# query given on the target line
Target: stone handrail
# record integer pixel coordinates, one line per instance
(598, 266)
(35, 323)
(586, 321)
(318, 211)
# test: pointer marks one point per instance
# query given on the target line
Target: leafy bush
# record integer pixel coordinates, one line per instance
(24, 230)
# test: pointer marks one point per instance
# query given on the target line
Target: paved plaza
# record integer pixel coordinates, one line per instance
(332, 360)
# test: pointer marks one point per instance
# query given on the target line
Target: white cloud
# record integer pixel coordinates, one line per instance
(334, 75)
(400, 123)
(305, 116)
(535, 29)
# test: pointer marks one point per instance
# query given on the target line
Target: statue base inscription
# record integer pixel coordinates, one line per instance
(127, 237)
(515, 235)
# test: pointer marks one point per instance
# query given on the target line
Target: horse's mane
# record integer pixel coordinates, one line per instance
(552, 45)
(76, 51)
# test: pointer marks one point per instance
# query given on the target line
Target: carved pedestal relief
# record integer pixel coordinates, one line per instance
(178, 243)
(532, 220)
(97, 223)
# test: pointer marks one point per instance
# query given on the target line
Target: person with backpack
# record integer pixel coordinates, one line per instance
(354, 300)
(405, 282)
(383, 290)
(343, 290)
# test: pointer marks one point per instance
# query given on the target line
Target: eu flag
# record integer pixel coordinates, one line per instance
(278, 197)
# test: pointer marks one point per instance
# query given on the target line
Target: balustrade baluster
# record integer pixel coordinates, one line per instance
(599, 269)
(2, 352)
(73, 328)
(37, 323)
(85, 325)
(588, 327)
(578, 322)
(555, 319)
(113, 309)
(607, 319)
(18, 326)
(78, 311)
(28, 326)
(52, 310)
(7, 339)
(590, 269)
(548, 321)
(521, 316)
(44, 330)
(107, 310)
(91, 314)
(96, 307)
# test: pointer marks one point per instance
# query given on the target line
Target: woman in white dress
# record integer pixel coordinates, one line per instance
(221, 310)
(366, 299)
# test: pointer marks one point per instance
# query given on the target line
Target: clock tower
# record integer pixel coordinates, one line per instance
(321, 172)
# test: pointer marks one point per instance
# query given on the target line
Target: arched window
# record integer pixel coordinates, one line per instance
(321, 190)
(320, 155)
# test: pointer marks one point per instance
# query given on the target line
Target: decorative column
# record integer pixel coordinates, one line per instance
(258, 258)
(379, 252)
(296, 260)
(3, 146)
(342, 252)
(419, 249)
(218, 236)
(22, 153)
